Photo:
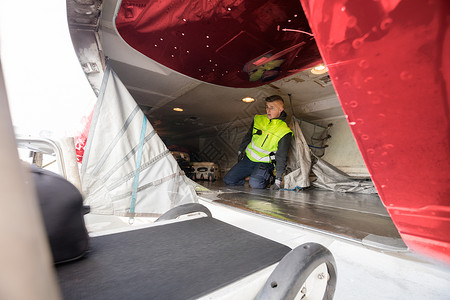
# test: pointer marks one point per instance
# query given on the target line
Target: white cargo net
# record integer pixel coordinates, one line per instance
(127, 170)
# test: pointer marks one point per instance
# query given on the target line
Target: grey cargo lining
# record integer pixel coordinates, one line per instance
(182, 260)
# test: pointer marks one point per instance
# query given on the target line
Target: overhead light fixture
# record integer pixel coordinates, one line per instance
(248, 99)
(177, 109)
(320, 69)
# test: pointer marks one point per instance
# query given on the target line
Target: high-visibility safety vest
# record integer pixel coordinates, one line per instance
(266, 135)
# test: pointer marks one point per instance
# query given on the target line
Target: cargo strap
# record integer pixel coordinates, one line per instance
(297, 189)
(136, 172)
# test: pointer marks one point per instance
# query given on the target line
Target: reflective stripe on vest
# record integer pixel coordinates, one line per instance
(256, 157)
(260, 150)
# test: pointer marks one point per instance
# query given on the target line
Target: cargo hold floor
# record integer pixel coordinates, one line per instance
(357, 217)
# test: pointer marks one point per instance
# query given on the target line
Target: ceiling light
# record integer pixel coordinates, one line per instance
(248, 99)
(177, 109)
(320, 69)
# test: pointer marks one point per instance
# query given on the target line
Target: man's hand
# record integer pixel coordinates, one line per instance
(276, 185)
(241, 155)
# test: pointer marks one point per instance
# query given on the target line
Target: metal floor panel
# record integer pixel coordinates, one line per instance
(359, 217)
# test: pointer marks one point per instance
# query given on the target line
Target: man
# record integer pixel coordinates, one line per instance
(267, 143)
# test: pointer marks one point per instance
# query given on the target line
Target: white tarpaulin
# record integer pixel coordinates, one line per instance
(299, 160)
(301, 164)
(127, 170)
(331, 178)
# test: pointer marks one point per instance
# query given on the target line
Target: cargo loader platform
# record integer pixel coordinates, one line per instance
(361, 218)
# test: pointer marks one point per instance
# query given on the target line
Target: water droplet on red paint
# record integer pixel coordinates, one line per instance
(343, 8)
(386, 23)
(368, 79)
(364, 64)
(388, 146)
(365, 137)
(405, 75)
(352, 123)
(353, 104)
(370, 151)
(357, 43)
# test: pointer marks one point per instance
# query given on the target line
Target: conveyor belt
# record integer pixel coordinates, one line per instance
(182, 260)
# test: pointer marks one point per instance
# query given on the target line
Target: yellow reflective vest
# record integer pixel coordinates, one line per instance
(266, 135)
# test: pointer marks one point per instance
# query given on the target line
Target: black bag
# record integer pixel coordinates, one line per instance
(62, 210)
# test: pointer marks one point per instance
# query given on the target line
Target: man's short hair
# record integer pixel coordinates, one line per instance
(274, 98)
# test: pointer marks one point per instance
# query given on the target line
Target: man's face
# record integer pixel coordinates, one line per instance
(274, 109)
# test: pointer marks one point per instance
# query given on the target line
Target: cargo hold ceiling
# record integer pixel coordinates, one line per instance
(235, 43)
